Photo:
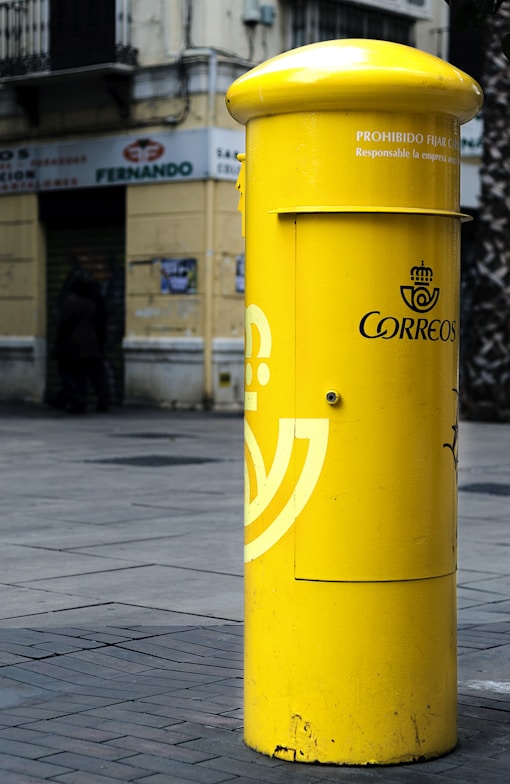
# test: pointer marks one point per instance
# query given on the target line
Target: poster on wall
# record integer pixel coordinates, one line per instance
(240, 274)
(178, 275)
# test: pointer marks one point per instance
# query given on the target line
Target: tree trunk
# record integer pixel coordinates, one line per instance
(485, 394)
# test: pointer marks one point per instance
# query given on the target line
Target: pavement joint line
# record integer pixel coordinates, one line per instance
(179, 612)
(135, 566)
(23, 583)
(42, 590)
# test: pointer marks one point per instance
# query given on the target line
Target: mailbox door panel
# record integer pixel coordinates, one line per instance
(377, 323)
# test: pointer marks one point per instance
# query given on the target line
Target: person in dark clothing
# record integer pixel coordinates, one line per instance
(80, 343)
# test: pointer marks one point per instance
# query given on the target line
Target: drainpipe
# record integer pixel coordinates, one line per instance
(209, 257)
(210, 192)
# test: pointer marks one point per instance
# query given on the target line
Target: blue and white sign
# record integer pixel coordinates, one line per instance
(166, 156)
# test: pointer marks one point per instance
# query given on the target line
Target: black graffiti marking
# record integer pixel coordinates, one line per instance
(453, 447)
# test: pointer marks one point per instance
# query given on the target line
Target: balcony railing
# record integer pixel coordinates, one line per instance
(24, 37)
(52, 35)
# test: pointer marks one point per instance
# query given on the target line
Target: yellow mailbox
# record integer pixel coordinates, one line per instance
(351, 207)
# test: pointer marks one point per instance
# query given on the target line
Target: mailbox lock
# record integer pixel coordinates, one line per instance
(333, 397)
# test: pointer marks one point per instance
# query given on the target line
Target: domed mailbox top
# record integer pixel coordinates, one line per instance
(354, 75)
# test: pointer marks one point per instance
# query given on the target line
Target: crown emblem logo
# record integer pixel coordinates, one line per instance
(422, 275)
(420, 297)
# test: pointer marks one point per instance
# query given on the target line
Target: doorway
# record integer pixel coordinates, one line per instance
(85, 233)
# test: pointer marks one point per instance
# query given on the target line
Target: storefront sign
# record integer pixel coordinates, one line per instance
(169, 156)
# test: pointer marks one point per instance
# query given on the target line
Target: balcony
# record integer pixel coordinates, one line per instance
(52, 36)
(45, 41)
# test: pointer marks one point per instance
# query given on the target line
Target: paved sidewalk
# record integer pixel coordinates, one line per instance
(121, 605)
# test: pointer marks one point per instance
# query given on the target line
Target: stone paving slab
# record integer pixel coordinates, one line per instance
(127, 704)
(121, 628)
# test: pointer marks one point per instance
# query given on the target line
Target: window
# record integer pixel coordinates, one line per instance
(325, 20)
(81, 33)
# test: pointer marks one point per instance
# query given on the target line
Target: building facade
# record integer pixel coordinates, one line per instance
(118, 158)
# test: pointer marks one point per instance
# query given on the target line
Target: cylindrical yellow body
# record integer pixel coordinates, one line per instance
(351, 207)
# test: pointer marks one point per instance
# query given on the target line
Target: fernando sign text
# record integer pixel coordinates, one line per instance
(143, 158)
